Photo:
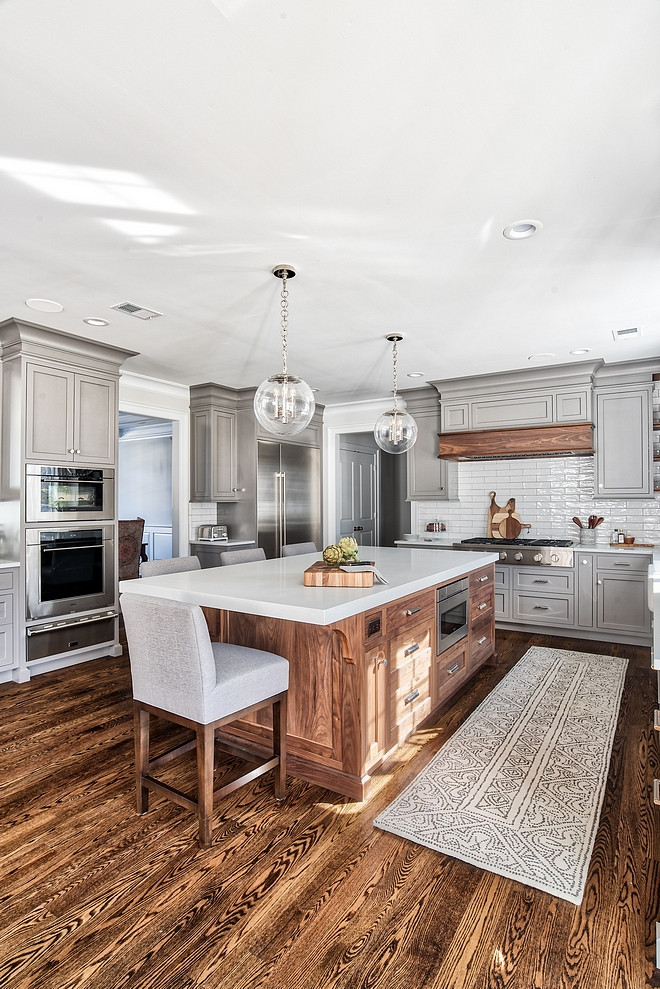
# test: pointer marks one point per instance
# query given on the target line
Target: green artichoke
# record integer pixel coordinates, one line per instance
(333, 555)
(349, 548)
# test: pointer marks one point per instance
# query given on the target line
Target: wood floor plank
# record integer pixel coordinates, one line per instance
(307, 894)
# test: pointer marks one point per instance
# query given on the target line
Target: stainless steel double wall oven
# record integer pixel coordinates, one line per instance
(70, 558)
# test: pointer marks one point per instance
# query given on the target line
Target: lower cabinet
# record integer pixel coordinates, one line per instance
(409, 683)
(8, 619)
(612, 592)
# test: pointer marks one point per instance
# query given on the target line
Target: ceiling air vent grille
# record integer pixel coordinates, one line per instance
(138, 311)
(634, 331)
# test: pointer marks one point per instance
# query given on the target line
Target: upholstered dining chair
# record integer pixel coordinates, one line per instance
(297, 549)
(230, 557)
(129, 548)
(177, 564)
(180, 675)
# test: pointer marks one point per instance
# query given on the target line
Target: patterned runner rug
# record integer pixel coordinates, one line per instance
(518, 789)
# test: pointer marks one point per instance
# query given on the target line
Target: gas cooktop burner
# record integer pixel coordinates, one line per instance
(489, 541)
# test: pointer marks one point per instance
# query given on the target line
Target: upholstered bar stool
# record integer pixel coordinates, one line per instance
(178, 564)
(180, 675)
(297, 549)
(241, 556)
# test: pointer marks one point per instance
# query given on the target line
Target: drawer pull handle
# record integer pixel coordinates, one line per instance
(539, 580)
(411, 649)
(480, 607)
(621, 564)
(484, 638)
(482, 579)
(412, 697)
(541, 607)
(413, 611)
(454, 669)
(656, 791)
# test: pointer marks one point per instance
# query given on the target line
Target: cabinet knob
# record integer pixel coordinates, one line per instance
(584, 562)
(599, 582)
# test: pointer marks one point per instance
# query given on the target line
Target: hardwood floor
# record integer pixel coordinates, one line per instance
(307, 894)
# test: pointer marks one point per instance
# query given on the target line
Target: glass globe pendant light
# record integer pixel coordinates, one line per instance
(395, 431)
(284, 404)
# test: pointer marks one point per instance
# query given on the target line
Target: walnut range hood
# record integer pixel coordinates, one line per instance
(518, 443)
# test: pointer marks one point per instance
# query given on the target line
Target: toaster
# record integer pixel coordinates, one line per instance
(218, 532)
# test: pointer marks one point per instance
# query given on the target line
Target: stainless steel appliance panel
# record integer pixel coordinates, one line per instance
(288, 495)
(69, 494)
(452, 614)
(69, 571)
(54, 638)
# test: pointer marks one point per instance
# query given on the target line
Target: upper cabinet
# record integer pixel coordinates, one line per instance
(59, 399)
(624, 434)
(428, 477)
(70, 417)
(509, 399)
(213, 444)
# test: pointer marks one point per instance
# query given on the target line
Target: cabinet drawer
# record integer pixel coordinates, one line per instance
(482, 604)
(622, 561)
(410, 650)
(482, 643)
(534, 608)
(6, 580)
(451, 670)
(542, 581)
(482, 578)
(415, 610)
(5, 609)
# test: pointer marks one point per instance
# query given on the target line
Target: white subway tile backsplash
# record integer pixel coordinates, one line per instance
(548, 494)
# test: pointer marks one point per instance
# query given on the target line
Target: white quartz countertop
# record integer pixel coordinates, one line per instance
(430, 540)
(222, 542)
(619, 548)
(274, 588)
(8, 564)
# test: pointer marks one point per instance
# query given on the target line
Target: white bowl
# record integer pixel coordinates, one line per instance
(410, 536)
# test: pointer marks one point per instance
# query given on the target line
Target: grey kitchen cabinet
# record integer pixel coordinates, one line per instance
(541, 596)
(612, 592)
(428, 477)
(624, 441)
(70, 417)
(8, 618)
(214, 455)
(502, 593)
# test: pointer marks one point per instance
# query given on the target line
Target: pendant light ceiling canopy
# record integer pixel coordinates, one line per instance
(284, 404)
(395, 431)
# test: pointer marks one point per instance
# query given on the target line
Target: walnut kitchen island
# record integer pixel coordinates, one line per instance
(364, 672)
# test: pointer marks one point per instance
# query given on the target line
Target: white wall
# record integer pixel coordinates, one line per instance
(548, 491)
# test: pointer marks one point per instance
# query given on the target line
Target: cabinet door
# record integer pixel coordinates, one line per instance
(49, 414)
(223, 456)
(428, 477)
(375, 716)
(94, 419)
(409, 682)
(621, 602)
(623, 442)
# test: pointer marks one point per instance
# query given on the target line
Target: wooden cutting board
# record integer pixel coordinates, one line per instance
(321, 575)
(504, 523)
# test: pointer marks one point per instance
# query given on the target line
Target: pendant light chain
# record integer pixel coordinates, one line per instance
(284, 314)
(394, 378)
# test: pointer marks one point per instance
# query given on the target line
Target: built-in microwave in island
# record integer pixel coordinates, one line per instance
(452, 613)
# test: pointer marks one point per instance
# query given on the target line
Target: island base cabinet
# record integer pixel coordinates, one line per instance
(409, 683)
(451, 670)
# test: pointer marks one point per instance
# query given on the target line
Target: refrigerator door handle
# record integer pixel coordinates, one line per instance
(278, 513)
(283, 514)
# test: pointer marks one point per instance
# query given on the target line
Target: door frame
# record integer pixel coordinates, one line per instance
(339, 420)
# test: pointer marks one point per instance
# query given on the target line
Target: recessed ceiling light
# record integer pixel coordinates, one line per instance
(93, 321)
(415, 374)
(522, 229)
(540, 357)
(582, 350)
(44, 305)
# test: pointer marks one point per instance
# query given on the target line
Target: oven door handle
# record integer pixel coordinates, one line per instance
(76, 621)
(64, 549)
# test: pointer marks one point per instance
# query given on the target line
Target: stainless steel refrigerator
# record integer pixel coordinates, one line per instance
(288, 495)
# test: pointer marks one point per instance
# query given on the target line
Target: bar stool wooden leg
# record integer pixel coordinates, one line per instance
(205, 766)
(141, 732)
(279, 746)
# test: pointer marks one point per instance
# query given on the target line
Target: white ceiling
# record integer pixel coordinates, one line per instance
(380, 148)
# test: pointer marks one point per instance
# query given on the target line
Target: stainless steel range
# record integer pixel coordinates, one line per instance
(524, 552)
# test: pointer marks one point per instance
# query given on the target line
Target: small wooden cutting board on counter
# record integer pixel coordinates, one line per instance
(322, 575)
(504, 523)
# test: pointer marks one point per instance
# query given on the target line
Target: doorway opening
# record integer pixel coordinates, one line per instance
(371, 491)
(145, 479)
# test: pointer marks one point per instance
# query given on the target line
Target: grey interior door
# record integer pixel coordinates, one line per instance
(357, 496)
